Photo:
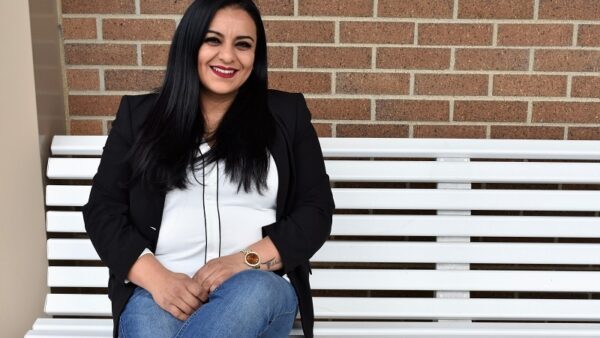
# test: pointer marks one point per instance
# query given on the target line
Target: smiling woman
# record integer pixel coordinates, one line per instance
(210, 190)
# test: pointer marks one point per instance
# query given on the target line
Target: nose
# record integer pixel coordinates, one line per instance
(227, 53)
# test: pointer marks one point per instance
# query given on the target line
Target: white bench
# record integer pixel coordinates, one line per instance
(425, 243)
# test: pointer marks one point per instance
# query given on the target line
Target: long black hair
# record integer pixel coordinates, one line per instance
(168, 144)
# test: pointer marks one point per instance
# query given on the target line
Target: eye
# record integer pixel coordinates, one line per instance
(212, 40)
(244, 45)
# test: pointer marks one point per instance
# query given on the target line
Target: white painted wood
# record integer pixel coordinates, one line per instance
(426, 308)
(492, 226)
(419, 148)
(389, 308)
(419, 199)
(456, 172)
(471, 148)
(72, 168)
(78, 276)
(401, 171)
(77, 145)
(377, 279)
(403, 252)
(67, 195)
(438, 199)
(64, 221)
(416, 225)
(369, 329)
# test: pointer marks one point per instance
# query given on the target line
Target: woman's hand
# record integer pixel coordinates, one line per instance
(218, 270)
(175, 293)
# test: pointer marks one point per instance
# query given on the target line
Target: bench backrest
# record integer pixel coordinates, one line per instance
(424, 229)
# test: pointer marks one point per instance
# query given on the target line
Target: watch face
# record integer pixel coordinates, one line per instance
(252, 258)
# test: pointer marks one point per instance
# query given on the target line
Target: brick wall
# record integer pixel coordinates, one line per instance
(378, 68)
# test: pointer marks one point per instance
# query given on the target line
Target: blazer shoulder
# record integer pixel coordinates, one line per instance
(139, 107)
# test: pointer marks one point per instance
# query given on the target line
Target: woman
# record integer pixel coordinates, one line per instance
(210, 190)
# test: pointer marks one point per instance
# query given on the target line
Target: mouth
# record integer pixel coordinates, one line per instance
(223, 72)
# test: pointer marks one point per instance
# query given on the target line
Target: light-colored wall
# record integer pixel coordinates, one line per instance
(23, 259)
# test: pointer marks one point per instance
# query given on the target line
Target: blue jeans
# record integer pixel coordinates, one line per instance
(251, 303)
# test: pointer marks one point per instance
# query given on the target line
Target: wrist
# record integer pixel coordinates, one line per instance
(251, 258)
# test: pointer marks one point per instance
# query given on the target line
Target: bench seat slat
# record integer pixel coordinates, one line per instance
(389, 308)
(377, 147)
(417, 199)
(416, 225)
(405, 329)
(377, 279)
(401, 171)
(403, 252)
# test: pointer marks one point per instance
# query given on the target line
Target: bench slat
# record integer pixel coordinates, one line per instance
(376, 147)
(401, 171)
(389, 308)
(402, 252)
(416, 199)
(404, 329)
(416, 225)
(376, 279)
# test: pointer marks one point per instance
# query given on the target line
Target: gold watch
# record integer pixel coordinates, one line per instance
(251, 258)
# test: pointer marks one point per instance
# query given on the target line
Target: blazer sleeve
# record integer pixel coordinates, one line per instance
(106, 215)
(304, 229)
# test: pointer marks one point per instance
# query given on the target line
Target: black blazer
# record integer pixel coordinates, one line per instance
(120, 219)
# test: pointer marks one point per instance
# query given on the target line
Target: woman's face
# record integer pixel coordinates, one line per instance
(226, 56)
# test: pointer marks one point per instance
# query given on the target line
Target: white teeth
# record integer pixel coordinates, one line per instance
(222, 71)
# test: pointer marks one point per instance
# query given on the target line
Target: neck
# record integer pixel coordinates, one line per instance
(214, 107)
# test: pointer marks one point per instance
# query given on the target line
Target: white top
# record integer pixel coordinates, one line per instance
(203, 222)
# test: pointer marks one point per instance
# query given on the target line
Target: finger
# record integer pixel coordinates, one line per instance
(192, 301)
(184, 306)
(177, 313)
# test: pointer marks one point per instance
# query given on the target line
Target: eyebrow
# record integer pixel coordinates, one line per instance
(237, 38)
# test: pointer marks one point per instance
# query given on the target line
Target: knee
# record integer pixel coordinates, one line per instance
(261, 289)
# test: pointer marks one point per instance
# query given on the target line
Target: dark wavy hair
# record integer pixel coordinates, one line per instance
(168, 144)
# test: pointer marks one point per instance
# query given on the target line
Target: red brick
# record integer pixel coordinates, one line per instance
(530, 85)
(413, 58)
(334, 57)
(155, 55)
(416, 8)
(164, 6)
(584, 133)
(455, 34)
(373, 83)
(100, 54)
(566, 112)
(455, 84)
(85, 127)
(527, 132)
(371, 130)
(98, 7)
(83, 79)
(323, 129)
(275, 7)
(492, 59)
(317, 83)
(280, 57)
(140, 80)
(300, 31)
(93, 105)
(589, 36)
(490, 111)
(340, 109)
(569, 9)
(138, 29)
(377, 32)
(567, 60)
(336, 8)
(79, 29)
(535, 35)
(448, 131)
(586, 86)
(413, 110)
(495, 9)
